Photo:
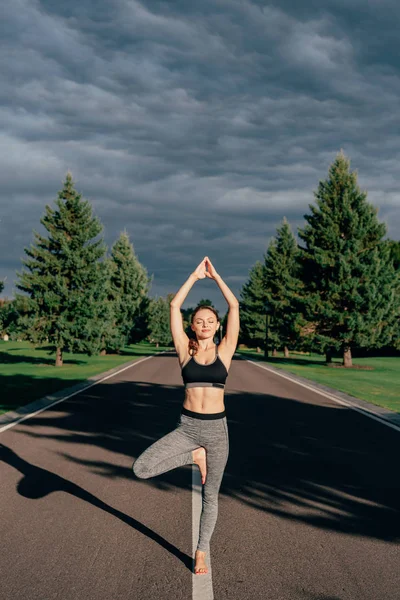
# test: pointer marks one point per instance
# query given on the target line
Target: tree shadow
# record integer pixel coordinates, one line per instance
(11, 359)
(37, 483)
(284, 361)
(134, 351)
(18, 390)
(321, 464)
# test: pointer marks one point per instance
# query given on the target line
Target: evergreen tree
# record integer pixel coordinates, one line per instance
(140, 326)
(66, 284)
(1, 308)
(159, 321)
(252, 308)
(11, 313)
(394, 250)
(394, 247)
(283, 288)
(102, 324)
(352, 288)
(8, 315)
(129, 288)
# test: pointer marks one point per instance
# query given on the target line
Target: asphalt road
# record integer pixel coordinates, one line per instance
(309, 506)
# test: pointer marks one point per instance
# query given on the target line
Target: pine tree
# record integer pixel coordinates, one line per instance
(129, 288)
(394, 247)
(352, 289)
(102, 323)
(252, 308)
(159, 320)
(283, 288)
(8, 316)
(66, 284)
(11, 314)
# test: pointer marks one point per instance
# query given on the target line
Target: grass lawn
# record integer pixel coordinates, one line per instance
(380, 386)
(28, 373)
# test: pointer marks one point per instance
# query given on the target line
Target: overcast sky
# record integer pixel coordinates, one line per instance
(195, 126)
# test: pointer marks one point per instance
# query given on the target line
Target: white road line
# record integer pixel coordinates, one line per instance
(202, 588)
(29, 415)
(364, 411)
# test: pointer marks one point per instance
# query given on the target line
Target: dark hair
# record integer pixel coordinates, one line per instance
(193, 344)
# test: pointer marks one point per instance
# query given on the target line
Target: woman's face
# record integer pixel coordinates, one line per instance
(205, 324)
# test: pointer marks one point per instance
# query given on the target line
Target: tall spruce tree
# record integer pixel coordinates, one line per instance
(394, 247)
(394, 252)
(129, 293)
(66, 284)
(252, 308)
(159, 320)
(352, 288)
(102, 324)
(283, 288)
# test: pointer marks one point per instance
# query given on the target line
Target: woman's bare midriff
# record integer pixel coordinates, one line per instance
(204, 400)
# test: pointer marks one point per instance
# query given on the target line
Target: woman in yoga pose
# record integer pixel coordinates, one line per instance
(202, 433)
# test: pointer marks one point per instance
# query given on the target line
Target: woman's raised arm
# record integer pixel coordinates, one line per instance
(179, 336)
(231, 336)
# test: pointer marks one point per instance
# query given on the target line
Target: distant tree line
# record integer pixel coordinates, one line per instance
(338, 291)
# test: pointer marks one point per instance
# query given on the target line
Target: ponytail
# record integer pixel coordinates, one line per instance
(193, 347)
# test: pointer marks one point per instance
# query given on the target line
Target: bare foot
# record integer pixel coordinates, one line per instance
(199, 458)
(200, 567)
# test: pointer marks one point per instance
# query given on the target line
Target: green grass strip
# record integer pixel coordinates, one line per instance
(28, 373)
(380, 385)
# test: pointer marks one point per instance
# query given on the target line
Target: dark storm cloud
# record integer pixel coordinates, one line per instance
(195, 126)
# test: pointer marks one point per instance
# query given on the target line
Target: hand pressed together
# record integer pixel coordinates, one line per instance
(205, 269)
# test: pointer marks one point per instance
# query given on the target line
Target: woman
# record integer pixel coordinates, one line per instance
(202, 433)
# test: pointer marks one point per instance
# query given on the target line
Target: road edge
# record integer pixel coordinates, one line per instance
(12, 417)
(379, 413)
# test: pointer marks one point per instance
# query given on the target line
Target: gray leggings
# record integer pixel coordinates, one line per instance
(175, 450)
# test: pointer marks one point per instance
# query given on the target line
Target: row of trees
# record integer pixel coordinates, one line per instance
(338, 291)
(76, 297)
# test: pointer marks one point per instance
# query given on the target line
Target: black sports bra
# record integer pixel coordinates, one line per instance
(213, 374)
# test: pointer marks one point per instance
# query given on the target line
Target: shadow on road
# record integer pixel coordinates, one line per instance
(320, 464)
(38, 483)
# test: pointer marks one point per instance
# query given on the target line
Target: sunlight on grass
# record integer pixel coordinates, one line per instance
(380, 385)
(28, 373)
